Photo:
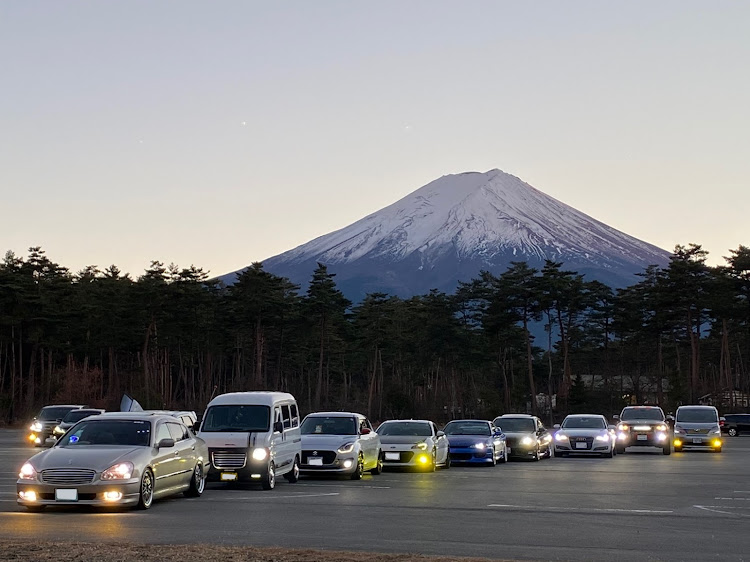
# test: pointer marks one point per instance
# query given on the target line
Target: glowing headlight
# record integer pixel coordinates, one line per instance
(28, 472)
(58, 429)
(260, 454)
(36, 426)
(120, 471)
(623, 427)
(603, 437)
(346, 448)
(527, 441)
(422, 446)
(661, 427)
(561, 437)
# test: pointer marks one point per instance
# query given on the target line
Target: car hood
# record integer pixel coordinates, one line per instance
(696, 425)
(520, 434)
(326, 441)
(467, 440)
(632, 423)
(96, 457)
(402, 439)
(222, 439)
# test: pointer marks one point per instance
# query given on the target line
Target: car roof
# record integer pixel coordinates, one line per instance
(516, 416)
(585, 416)
(470, 420)
(63, 406)
(332, 414)
(136, 416)
(696, 406)
(259, 397)
(419, 421)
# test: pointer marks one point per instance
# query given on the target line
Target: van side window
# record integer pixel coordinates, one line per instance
(295, 415)
(276, 415)
(286, 416)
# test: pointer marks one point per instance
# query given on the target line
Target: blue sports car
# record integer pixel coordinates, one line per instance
(476, 442)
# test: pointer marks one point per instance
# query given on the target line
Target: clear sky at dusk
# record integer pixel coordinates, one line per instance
(222, 133)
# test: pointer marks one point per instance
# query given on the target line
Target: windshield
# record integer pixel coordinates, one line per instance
(417, 429)
(330, 425)
(515, 425)
(55, 413)
(78, 415)
(110, 432)
(237, 418)
(697, 415)
(584, 423)
(467, 428)
(629, 414)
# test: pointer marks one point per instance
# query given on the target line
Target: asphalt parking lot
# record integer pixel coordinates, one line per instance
(638, 506)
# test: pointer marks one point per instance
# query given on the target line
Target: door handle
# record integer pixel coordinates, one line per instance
(176, 453)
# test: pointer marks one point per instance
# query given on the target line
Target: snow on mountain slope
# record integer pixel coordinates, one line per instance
(451, 228)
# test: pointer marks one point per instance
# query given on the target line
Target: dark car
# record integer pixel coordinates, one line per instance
(643, 426)
(70, 419)
(45, 421)
(525, 436)
(734, 424)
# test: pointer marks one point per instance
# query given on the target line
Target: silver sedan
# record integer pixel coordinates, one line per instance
(116, 459)
(413, 444)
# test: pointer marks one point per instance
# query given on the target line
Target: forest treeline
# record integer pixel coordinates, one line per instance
(172, 338)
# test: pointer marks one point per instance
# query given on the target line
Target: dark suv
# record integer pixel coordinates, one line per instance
(734, 424)
(643, 426)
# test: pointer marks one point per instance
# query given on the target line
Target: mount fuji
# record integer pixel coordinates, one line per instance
(454, 227)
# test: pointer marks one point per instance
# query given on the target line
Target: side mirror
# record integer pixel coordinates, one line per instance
(441, 433)
(556, 426)
(278, 427)
(365, 431)
(497, 431)
(165, 444)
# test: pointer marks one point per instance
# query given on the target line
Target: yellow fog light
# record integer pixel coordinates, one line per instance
(112, 496)
(32, 437)
(678, 443)
(717, 443)
(28, 496)
(423, 459)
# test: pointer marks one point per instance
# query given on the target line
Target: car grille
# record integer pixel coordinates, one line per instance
(68, 476)
(697, 431)
(588, 440)
(229, 460)
(327, 456)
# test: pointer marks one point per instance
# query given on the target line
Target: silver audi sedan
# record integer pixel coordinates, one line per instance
(586, 434)
(116, 459)
(413, 444)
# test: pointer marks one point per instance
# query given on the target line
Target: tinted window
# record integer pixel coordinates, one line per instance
(631, 414)
(53, 413)
(177, 431)
(467, 428)
(584, 423)
(328, 425)
(237, 418)
(418, 429)
(286, 416)
(78, 415)
(110, 432)
(697, 415)
(515, 425)
(295, 415)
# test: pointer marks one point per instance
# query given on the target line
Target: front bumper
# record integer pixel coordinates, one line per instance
(328, 462)
(472, 455)
(407, 458)
(593, 447)
(87, 494)
(520, 451)
(643, 439)
(708, 442)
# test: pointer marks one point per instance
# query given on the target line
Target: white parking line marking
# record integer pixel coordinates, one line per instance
(711, 509)
(734, 499)
(607, 510)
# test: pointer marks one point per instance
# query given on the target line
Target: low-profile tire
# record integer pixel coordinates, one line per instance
(610, 454)
(293, 475)
(379, 465)
(269, 480)
(667, 449)
(732, 432)
(536, 456)
(35, 508)
(197, 482)
(359, 470)
(447, 463)
(146, 490)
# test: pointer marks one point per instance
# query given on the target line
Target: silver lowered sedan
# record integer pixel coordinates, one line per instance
(116, 459)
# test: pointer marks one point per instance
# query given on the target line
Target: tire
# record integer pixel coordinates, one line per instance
(610, 454)
(293, 475)
(505, 454)
(269, 482)
(35, 508)
(146, 490)
(732, 432)
(536, 456)
(620, 449)
(447, 464)
(494, 460)
(667, 449)
(433, 464)
(360, 470)
(379, 465)
(197, 482)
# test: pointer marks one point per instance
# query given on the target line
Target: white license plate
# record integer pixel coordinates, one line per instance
(642, 437)
(697, 441)
(315, 461)
(581, 445)
(228, 476)
(66, 495)
(393, 456)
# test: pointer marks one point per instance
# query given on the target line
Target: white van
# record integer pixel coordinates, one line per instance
(253, 436)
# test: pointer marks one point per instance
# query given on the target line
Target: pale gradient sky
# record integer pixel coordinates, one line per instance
(222, 133)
